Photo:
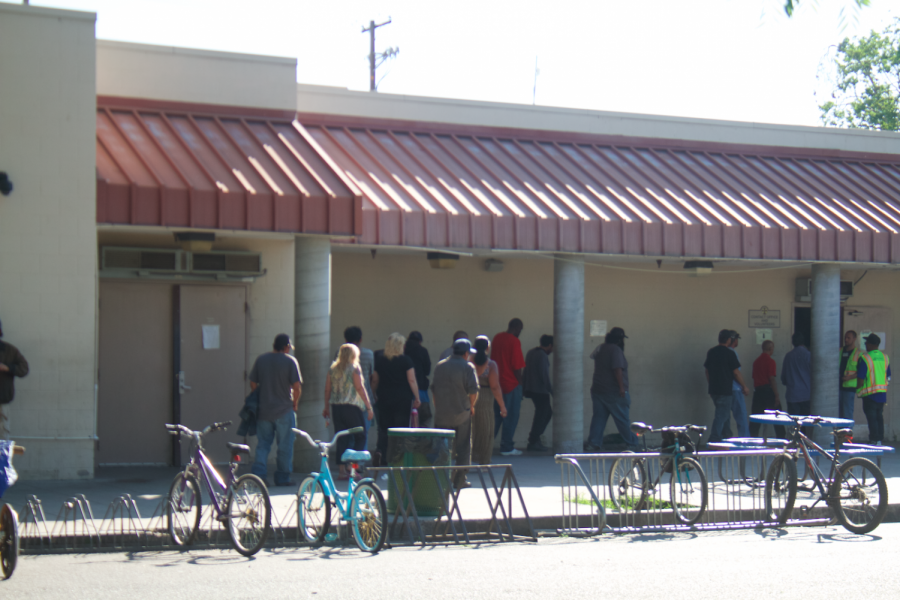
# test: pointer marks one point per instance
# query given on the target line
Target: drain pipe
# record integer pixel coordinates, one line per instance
(568, 354)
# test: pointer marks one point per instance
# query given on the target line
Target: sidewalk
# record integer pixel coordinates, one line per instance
(538, 477)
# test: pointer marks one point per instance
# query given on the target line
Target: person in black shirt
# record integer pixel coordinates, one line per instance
(722, 370)
(422, 364)
(394, 383)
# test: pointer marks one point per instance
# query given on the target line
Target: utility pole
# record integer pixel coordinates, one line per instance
(374, 61)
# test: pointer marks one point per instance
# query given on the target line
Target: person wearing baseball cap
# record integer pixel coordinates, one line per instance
(609, 391)
(277, 375)
(454, 388)
(873, 375)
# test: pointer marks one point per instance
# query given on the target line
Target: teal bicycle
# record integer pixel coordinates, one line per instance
(361, 506)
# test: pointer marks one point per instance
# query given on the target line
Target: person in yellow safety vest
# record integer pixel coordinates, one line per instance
(873, 376)
(850, 354)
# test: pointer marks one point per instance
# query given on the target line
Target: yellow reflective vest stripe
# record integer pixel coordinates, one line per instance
(877, 363)
(852, 366)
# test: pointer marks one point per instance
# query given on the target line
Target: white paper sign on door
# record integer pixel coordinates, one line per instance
(210, 337)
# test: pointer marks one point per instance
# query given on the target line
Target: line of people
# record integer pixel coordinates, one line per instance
(864, 375)
(476, 390)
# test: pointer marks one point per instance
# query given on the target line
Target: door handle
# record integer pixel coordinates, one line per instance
(181, 387)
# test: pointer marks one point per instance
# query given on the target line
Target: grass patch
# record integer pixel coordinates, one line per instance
(650, 503)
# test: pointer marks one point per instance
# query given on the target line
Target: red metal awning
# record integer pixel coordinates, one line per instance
(452, 186)
(207, 167)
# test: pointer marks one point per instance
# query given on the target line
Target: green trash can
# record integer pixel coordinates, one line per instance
(413, 447)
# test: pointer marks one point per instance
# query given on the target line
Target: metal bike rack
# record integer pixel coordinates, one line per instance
(77, 511)
(407, 526)
(122, 523)
(735, 494)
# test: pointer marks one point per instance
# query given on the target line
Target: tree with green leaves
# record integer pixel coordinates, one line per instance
(867, 82)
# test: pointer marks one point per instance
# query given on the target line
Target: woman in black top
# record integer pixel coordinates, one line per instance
(422, 364)
(394, 382)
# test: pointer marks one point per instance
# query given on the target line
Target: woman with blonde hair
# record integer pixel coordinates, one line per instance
(488, 392)
(347, 402)
(394, 381)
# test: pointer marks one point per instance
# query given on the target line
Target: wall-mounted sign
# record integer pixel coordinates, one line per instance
(763, 335)
(598, 328)
(764, 318)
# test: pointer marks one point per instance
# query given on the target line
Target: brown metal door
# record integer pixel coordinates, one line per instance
(135, 387)
(865, 320)
(213, 346)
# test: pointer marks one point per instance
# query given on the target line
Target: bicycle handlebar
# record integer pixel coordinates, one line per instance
(796, 418)
(179, 429)
(337, 434)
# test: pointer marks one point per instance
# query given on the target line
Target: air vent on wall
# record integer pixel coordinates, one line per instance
(803, 290)
(164, 263)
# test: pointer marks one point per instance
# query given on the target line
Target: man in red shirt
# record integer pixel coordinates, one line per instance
(506, 351)
(765, 393)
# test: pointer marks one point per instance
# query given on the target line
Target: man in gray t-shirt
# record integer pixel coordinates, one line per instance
(277, 375)
(609, 390)
(454, 388)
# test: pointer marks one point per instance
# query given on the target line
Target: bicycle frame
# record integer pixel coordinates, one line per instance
(800, 442)
(671, 460)
(340, 499)
(202, 468)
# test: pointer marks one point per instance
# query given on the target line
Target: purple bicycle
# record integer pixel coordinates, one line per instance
(242, 503)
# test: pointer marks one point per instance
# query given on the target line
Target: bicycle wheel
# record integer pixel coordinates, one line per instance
(781, 489)
(183, 509)
(859, 495)
(249, 514)
(9, 540)
(628, 484)
(688, 491)
(313, 510)
(367, 511)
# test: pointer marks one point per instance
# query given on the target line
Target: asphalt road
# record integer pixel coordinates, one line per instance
(818, 563)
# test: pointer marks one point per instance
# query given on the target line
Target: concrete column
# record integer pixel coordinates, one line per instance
(568, 354)
(826, 337)
(312, 337)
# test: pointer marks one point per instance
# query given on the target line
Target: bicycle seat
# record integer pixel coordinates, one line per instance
(845, 435)
(356, 456)
(639, 428)
(238, 448)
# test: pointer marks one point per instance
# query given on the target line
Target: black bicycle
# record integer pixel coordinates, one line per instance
(630, 478)
(855, 489)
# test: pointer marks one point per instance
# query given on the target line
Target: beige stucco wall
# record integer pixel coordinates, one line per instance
(202, 76)
(671, 319)
(340, 101)
(48, 233)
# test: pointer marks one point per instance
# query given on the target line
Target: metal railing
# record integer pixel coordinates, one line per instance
(500, 516)
(405, 488)
(735, 492)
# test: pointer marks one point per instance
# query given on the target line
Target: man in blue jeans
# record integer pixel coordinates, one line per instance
(723, 369)
(277, 375)
(609, 391)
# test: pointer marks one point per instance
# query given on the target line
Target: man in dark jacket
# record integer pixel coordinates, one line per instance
(539, 388)
(12, 364)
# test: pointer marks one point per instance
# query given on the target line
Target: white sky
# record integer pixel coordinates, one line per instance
(725, 59)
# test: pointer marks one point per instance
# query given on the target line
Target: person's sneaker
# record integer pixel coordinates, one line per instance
(513, 452)
(592, 448)
(537, 447)
(878, 443)
(463, 485)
